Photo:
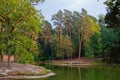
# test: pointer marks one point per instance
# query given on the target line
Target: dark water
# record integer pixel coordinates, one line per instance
(77, 73)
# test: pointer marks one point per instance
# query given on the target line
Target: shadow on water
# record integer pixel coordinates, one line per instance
(77, 73)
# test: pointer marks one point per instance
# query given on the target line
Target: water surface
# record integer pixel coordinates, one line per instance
(89, 73)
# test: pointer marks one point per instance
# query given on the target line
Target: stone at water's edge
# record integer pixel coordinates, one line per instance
(24, 71)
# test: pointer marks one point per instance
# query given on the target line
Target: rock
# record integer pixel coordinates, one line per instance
(23, 70)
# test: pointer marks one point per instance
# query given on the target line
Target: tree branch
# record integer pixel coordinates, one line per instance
(3, 18)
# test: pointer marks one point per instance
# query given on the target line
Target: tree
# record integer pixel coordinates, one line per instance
(58, 22)
(20, 25)
(79, 29)
(112, 17)
(47, 28)
(68, 47)
(109, 41)
(68, 24)
(95, 46)
(101, 19)
(112, 20)
(45, 41)
(90, 28)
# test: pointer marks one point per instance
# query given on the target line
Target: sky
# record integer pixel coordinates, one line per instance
(51, 7)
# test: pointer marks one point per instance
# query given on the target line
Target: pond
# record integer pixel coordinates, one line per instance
(89, 73)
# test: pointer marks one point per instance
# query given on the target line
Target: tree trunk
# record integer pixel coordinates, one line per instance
(0, 29)
(15, 57)
(63, 54)
(52, 53)
(1, 58)
(9, 66)
(70, 33)
(80, 42)
(71, 57)
(8, 31)
(1, 55)
(79, 47)
(1, 50)
(67, 31)
(63, 57)
(68, 55)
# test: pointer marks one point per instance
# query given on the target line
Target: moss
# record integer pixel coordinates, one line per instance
(44, 71)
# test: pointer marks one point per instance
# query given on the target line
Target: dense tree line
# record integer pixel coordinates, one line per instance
(75, 35)
(80, 34)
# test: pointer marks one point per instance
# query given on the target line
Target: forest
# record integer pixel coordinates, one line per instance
(25, 33)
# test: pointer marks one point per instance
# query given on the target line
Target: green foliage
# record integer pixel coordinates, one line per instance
(25, 59)
(110, 38)
(89, 52)
(64, 47)
(95, 46)
(112, 17)
(20, 23)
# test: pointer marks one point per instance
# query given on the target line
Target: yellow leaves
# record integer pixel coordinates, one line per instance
(90, 27)
(94, 27)
(34, 48)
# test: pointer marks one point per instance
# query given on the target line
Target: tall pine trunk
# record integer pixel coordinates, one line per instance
(80, 45)
(52, 53)
(8, 45)
(15, 59)
(70, 30)
(80, 42)
(9, 66)
(68, 55)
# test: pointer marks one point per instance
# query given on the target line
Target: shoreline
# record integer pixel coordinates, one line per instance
(28, 77)
(83, 62)
(23, 71)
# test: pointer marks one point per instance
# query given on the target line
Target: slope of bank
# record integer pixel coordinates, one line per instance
(22, 71)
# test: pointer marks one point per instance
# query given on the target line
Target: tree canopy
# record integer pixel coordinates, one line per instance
(20, 23)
